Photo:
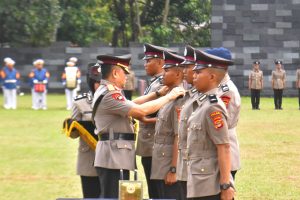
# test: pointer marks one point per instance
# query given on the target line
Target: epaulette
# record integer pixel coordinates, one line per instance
(225, 88)
(110, 87)
(212, 98)
(81, 96)
(202, 97)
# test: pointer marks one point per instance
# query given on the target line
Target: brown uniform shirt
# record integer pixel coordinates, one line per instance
(298, 78)
(187, 109)
(278, 78)
(82, 111)
(166, 129)
(111, 117)
(146, 131)
(256, 78)
(230, 95)
(207, 127)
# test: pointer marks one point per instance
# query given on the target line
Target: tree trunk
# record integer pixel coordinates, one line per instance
(166, 12)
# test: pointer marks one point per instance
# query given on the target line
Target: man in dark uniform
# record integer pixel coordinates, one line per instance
(153, 65)
(208, 145)
(187, 108)
(82, 113)
(165, 149)
(116, 149)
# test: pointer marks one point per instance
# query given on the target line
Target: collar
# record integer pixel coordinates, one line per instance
(109, 84)
(156, 76)
(225, 79)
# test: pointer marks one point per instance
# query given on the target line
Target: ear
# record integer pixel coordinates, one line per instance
(114, 73)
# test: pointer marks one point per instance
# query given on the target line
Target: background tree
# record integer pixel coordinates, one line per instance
(31, 23)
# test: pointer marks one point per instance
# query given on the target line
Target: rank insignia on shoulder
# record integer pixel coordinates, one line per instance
(212, 98)
(202, 97)
(216, 118)
(225, 88)
(194, 90)
(118, 96)
(81, 96)
(226, 100)
(110, 87)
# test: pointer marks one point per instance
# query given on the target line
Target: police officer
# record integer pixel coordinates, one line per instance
(10, 78)
(39, 79)
(255, 85)
(112, 111)
(153, 65)
(298, 84)
(278, 84)
(165, 148)
(208, 145)
(70, 78)
(82, 112)
(187, 108)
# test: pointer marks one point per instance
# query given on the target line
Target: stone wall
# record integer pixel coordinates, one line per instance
(258, 29)
(56, 56)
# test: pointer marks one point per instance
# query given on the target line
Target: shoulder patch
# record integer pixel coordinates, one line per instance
(212, 98)
(118, 97)
(81, 96)
(216, 118)
(225, 88)
(226, 100)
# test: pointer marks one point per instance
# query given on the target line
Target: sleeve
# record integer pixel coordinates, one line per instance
(217, 124)
(116, 103)
(175, 114)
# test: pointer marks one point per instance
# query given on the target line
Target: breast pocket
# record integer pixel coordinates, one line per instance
(161, 123)
(195, 133)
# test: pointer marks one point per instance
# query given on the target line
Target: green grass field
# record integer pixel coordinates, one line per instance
(38, 162)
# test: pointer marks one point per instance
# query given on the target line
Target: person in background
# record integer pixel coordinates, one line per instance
(298, 84)
(75, 61)
(70, 78)
(82, 113)
(39, 79)
(278, 84)
(130, 84)
(10, 77)
(256, 84)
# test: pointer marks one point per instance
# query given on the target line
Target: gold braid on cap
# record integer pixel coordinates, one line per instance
(121, 65)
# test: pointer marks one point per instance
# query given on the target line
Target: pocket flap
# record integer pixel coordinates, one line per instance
(202, 168)
(123, 144)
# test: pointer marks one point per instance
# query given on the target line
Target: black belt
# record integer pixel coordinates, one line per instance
(117, 136)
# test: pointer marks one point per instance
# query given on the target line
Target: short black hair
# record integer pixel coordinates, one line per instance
(106, 70)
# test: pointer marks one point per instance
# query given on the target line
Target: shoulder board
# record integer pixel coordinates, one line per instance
(212, 98)
(202, 97)
(81, 96)
(225, 88)
(110, 87)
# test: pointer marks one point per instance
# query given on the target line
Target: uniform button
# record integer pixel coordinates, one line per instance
(185, 118)
(202, 170)
(192, 113)
(157, 119)
(163, 154)
(125, 145)
(188, 129)
(149, 134)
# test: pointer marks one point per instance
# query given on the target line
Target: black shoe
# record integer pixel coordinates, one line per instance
(280, 109)
(257, 108)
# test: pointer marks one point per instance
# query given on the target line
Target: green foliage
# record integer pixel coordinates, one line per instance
(84, 21)
(115, 22)
(31, 23)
